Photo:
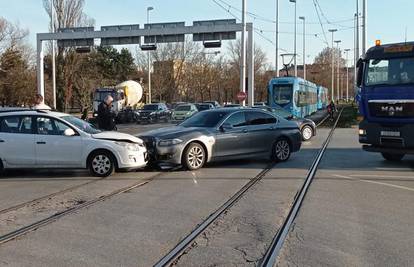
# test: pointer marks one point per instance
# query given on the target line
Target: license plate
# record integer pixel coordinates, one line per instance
(390, 133)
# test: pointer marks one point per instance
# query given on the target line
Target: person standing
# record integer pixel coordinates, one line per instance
(105, 116)
(40, 104)
(331, 109)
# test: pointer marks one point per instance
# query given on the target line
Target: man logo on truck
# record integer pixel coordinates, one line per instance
(391, 110)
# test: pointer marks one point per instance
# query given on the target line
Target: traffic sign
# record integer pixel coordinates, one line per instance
(241, 96)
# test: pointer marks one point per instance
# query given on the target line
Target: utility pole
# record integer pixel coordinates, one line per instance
(364, 26)
(304, 49)
(277, 39)
(52, 28)
(337, 72)
(243, 53)
(333, 64)
(347, 74)
(356, 53)
(149, 59)
(294, 40)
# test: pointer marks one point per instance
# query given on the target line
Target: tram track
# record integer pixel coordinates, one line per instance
(50, 219)
(181, 248)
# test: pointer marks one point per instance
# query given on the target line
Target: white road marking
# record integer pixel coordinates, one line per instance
(375, 182)
(382, 176)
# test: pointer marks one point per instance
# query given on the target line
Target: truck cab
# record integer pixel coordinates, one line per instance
(386, 100)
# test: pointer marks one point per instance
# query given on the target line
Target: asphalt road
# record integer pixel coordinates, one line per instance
(139, 227)
(358, 211)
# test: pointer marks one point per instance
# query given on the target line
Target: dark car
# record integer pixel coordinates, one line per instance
(204, 106)
(223, 134)
(214, 103)
(307, 127)
(153, 113)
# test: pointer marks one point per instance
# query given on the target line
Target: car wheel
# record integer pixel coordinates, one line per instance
(194, 157)
(307, 133)
(281, 150)
(101, 164)
(393, 157)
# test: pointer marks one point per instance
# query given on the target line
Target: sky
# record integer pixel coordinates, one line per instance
(387, 20)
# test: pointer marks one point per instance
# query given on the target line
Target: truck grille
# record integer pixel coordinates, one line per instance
(397, 109)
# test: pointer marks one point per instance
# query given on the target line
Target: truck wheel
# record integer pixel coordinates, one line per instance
(393, 157)
(1, 167)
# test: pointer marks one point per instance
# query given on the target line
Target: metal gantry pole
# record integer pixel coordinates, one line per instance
(356, 54)
(243, 52)
(333, 64)
(149, 60)
(250, 64)
(40, 68)
(52, 28)
(304, 48)
(277, 39)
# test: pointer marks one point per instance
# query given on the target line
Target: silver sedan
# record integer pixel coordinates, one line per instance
(223, 134)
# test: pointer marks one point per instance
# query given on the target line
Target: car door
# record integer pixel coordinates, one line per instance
(262, 131)
(53, 148)
(232, 141)
(17, 147)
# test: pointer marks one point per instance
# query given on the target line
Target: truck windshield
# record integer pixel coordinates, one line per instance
(390, 71)
(100, 95)
(282, 93)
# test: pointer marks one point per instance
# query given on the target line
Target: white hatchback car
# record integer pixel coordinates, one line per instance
(34, 139)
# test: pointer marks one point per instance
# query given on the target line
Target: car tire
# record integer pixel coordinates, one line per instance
(392, 157)
(194, 157)
(307, 133)
(281, 150)
(101, 164)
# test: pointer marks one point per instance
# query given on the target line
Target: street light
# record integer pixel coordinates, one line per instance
(347, 74)
(294, 51)
(304, 54)
(333, 63)
(337, 72)
(149, 58)
(277, 39)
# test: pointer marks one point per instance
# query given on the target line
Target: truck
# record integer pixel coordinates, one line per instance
(385, 97)
(126, 96)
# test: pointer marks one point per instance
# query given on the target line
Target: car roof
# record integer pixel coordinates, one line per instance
(28, 111)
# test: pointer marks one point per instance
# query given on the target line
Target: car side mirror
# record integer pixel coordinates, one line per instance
(69, 132)
(226, 127)
(360, 66)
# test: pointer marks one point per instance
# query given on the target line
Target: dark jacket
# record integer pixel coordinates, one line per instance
(105, 117)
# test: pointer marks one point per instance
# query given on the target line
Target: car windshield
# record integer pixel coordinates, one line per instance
(150, 107)
(390, 71)
(205, 119)
(183, 108)
(282, 93)
(81, 124)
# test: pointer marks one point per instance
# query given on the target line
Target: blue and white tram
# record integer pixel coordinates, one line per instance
(323, 100)
(294, 94)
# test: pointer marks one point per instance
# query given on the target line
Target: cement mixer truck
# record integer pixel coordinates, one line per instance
(126, 96)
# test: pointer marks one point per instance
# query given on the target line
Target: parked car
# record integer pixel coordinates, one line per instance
(151, 113)
(184, 111)
(306, 126)
(223, 134)
(175, 104)
(204, 106)
(214, 103)
(45, 139)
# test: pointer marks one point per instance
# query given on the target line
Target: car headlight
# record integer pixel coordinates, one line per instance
(129, 146)
(362, 132)
(152, 113)
(189, 113)
(170, 142)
